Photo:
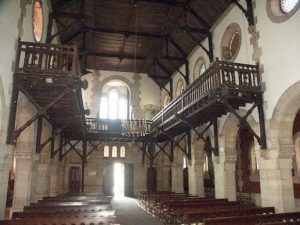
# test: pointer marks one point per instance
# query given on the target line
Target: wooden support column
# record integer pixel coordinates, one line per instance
(61, 143)
(171, 89)
(52, 151)
(187, 73)
(262, 126)
(216, 137)
(49, 29)
(189, 139)
(83, 162)
(38, 135)
(12, 115)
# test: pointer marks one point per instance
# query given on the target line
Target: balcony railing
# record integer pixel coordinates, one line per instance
(118, 127)
(54, 60)
(220, 75)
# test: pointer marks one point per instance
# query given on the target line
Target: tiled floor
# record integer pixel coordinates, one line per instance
(129, 212)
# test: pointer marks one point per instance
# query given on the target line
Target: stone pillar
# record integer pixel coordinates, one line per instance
(60, 171)
(43, 181)
(163, 169)
(225, 184)
(196, 177)
(22, 189)
(5, 164)
(54, 178)
(177, 178)
(276, 183)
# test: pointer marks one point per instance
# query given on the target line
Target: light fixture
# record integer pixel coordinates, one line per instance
(135, 128)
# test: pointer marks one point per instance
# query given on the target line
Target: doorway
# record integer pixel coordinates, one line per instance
(119, 171)
(74, 179)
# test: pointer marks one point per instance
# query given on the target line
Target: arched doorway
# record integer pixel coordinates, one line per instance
(247, 176)
(208, 170)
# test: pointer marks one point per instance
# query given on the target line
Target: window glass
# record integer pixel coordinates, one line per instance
(104, 108)
(234, 44)
(288, 5)
(37, 21)
(202, 69)
(114, 152)
(122, 152)
(113, 107)
(122, 108)
(106, 151)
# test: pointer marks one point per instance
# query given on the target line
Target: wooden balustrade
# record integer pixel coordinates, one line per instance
(226, 76)
(48, 59)
(95, 125)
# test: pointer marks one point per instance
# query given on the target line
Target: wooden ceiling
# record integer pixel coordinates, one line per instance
(145, 36)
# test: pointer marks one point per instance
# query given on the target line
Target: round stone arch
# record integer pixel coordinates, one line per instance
(229, 133)
(281, 126)
(130, 86)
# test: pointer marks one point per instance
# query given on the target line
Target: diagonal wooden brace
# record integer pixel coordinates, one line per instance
(95, 147)
(42, 111)
(244, 123)
(72, 146)
(177, 143)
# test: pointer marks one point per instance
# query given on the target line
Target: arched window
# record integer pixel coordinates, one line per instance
(205, 165)
(114, 152)
(199, 67)
(114, 103)
(166, 100)
(179, 87)
(106, 151)
(38, 20)
(122, 152)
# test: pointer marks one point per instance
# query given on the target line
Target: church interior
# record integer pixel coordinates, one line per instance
(151, 112)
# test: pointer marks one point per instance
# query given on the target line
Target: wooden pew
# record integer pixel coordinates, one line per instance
(67, 203)
(197, 216)
(254, 219)
(167, 208)
(43, 209)
(66, 214)
(61, 221)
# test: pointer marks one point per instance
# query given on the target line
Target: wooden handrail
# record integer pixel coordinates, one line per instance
(220, 75)
(50, 59)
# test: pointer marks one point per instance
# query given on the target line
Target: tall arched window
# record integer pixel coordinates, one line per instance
(199, 67)
(114, 102)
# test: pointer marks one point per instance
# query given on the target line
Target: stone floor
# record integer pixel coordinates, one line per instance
(129, 212)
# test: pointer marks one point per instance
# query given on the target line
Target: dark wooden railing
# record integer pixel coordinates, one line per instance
(49, 59)
(220, 75)
(116, 126)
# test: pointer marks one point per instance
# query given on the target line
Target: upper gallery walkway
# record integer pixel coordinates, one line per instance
(49, 76)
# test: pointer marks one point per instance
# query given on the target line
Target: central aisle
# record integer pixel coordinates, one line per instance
(129, 212)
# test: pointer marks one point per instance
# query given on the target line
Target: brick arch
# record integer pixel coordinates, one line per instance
(284, 114)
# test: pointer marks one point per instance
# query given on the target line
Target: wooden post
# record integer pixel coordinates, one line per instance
(12, 116)
(83, 161)
(52, 153)
(38, 135)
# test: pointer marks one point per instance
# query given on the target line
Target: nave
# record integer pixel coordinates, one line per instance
(151, 208)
